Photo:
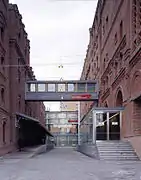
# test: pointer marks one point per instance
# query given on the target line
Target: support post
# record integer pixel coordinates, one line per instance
(108, 123)
(79, 119)
(120, 121)
(94, 127)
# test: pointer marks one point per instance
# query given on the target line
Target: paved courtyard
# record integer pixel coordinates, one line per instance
(65, 164)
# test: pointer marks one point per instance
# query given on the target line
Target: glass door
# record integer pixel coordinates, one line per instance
(101, 126)
(114, 126)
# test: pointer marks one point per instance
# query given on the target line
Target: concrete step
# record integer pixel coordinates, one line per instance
(117, 153)
(114, 147)
(120, 159)
(116, 150)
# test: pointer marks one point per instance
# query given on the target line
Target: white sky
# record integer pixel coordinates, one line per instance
(59, 34)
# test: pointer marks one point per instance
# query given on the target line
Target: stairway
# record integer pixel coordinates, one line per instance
(116, 150)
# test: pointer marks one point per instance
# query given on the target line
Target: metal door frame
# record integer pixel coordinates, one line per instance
(107, 111)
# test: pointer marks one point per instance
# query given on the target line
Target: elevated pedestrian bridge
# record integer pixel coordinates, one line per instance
(72, 90)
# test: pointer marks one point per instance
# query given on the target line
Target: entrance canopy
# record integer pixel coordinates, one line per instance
(61, 90)
(101, 123)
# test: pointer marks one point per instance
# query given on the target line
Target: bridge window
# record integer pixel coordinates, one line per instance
(61, 88)
(51, 87)
(31, 87)
(70, 87)
(41, 87)
(90, 87)
(81, 87)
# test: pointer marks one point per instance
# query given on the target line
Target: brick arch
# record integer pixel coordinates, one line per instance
(135, 83)
(119, 98)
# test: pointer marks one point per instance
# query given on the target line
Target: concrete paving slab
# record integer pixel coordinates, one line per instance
(67, 164)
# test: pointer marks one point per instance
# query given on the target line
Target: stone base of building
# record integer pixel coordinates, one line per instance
(7, 149)
(136, 143)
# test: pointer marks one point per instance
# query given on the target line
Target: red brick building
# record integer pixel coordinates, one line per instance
(114, 59)
(5, 123)
(14, 71)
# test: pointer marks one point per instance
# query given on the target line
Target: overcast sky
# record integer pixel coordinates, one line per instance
(59, 34)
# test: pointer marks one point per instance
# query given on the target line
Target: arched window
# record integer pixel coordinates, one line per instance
(119, 100)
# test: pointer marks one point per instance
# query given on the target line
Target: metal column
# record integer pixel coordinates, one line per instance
(94, 127)
(79, 123)
(120, 122)
(108, 123)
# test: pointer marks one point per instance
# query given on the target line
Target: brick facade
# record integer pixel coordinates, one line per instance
(114, 59)
(14, 71)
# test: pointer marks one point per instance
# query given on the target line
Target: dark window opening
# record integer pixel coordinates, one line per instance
(2, 95)
(121, 29)
(19, 36)
(2, 33)
(2, 63)
(107, 21)
(19, 75)
(116, 39)
(3, 132)
(103, 30)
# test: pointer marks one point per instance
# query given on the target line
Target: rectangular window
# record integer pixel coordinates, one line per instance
(41, 87)
(51, 87)
(61, 88)
(81, 87)
(32, 87)
(91, 88)
(70, 87)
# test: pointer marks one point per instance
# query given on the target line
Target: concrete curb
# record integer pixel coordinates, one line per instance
(40, 150)
(90, 151)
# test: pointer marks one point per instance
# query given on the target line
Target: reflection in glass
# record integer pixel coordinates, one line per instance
(86, 129)
(81, 87)
(41, 87)
(61, 88)
(32, 87)
(70, 87)
(51, 87)
(90, 87)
